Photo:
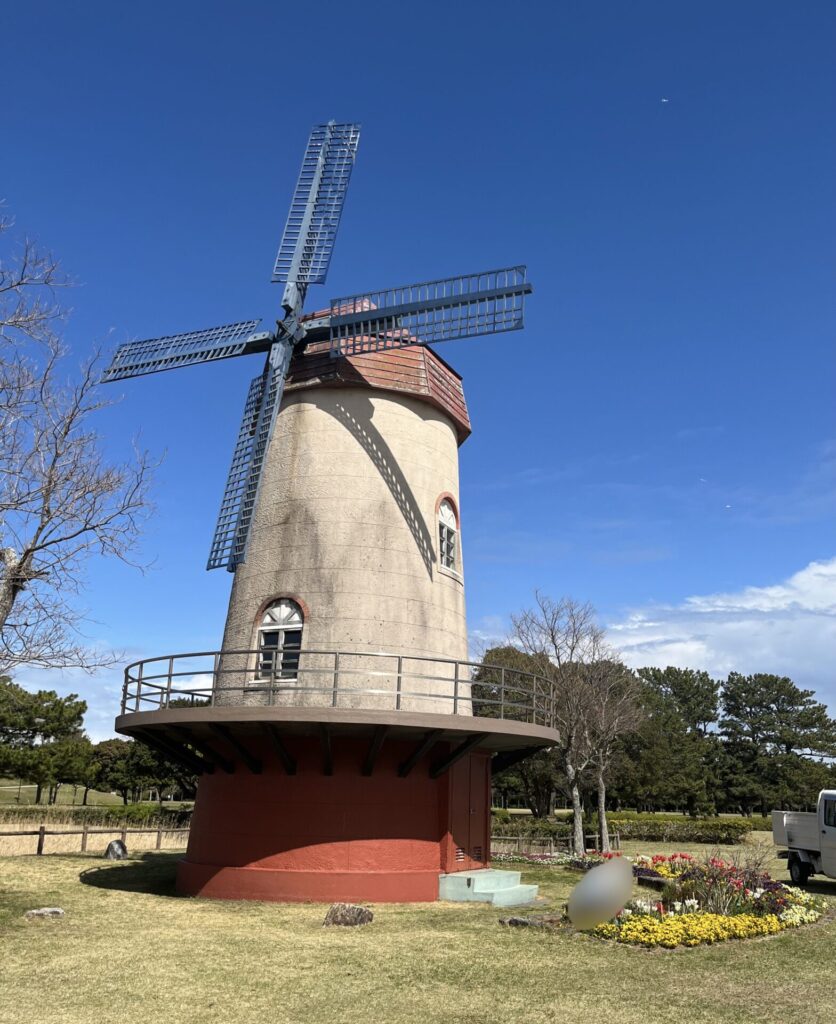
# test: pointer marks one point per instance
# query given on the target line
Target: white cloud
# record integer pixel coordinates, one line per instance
(788, 628)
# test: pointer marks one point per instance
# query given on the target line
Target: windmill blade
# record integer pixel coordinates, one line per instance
(421, 314)
(229, 544)
(236, 482)
(137, 358)
(308, 239)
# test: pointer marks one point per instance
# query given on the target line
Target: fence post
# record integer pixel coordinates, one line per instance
(168, 682)
(456, 691)
(125, 834)
(399, 684)
(159, 842)
(502, 693)
(84, 838)
(41, 834)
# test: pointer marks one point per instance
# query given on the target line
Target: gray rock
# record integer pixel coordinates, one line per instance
(535, 921)
(116, 850)
(347, 914)
(44, 912)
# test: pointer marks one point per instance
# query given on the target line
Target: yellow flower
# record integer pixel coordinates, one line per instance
(690, 929)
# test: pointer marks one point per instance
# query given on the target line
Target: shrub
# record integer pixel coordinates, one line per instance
(134, 814)
(651, 828)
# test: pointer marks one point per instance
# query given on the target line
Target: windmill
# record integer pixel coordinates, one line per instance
(489, 302)
(355, 764)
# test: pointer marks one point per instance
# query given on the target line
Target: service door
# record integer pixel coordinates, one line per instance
(827, 825)
(470, 812)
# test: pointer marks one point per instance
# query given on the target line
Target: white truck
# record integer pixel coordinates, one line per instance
(809, 838)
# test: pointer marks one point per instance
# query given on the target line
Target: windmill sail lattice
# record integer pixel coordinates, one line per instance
(241, 495)
(421, 314)
(416, 314)
(137, 358)
(226, 529)
(308, 239)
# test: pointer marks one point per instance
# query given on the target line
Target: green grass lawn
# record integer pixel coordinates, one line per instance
(16, 795)
(130, 950)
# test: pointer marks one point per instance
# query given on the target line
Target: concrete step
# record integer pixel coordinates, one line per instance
(502, 888)
(515, 897)
(493, 879)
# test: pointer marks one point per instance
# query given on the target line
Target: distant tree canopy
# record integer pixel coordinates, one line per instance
(42, 741)
(746, 745)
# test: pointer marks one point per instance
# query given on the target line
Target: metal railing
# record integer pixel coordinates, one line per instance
(338, 679)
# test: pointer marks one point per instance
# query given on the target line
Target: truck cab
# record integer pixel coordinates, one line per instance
(809, 838)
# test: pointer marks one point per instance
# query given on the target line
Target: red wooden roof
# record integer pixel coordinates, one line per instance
(416, 371)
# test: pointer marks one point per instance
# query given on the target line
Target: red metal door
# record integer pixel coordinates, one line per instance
(469, 813)
(480, 812)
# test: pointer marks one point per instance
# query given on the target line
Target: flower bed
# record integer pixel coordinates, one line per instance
(707, 903)
(548, 859)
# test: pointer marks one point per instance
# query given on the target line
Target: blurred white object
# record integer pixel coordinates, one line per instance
(600, 895)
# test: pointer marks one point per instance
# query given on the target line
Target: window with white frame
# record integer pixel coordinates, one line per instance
(280, 640)
(448, 536)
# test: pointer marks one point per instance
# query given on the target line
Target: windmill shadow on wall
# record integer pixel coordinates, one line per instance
(358, 422)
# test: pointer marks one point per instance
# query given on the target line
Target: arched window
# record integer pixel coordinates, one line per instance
(448, 536)
(280, 640)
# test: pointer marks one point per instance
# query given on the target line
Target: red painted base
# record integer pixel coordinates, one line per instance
(339, 837)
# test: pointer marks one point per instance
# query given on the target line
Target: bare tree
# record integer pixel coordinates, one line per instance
(565, 635)
(614, 709)
(61, 501)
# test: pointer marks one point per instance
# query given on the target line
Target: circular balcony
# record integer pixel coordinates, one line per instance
(215, 710)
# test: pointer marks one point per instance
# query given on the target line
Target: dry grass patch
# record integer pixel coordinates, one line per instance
(129, 949)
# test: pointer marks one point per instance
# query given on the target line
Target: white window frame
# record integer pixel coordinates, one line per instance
(449, 548)
(281, 617)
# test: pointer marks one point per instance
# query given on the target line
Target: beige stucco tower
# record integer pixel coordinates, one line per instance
(360, 489)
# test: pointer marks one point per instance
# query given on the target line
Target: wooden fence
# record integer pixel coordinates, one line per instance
(532, 845)
(86, 831)
(544, 845)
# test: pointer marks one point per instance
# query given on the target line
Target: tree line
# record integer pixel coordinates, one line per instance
(43, 743)
(653, 739)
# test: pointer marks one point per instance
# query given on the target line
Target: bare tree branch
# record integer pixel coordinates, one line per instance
(61, 501)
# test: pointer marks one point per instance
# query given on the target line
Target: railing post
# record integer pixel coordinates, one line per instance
(456, 690)
(124, 707)
(399, 683)
(502, 693)
(215, 665)
(336, 678)
(84, 838)
(125, 834)
(139, 686)
(41, 835)
(168, 682)
(159, 841)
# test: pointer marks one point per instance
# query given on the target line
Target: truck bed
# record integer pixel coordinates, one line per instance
(796, 829)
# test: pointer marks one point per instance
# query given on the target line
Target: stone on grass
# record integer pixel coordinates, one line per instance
(30, 915)
(116, 850)
(347, 914)
(535, 921)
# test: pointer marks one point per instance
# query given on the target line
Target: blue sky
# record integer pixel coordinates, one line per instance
(660, 440)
